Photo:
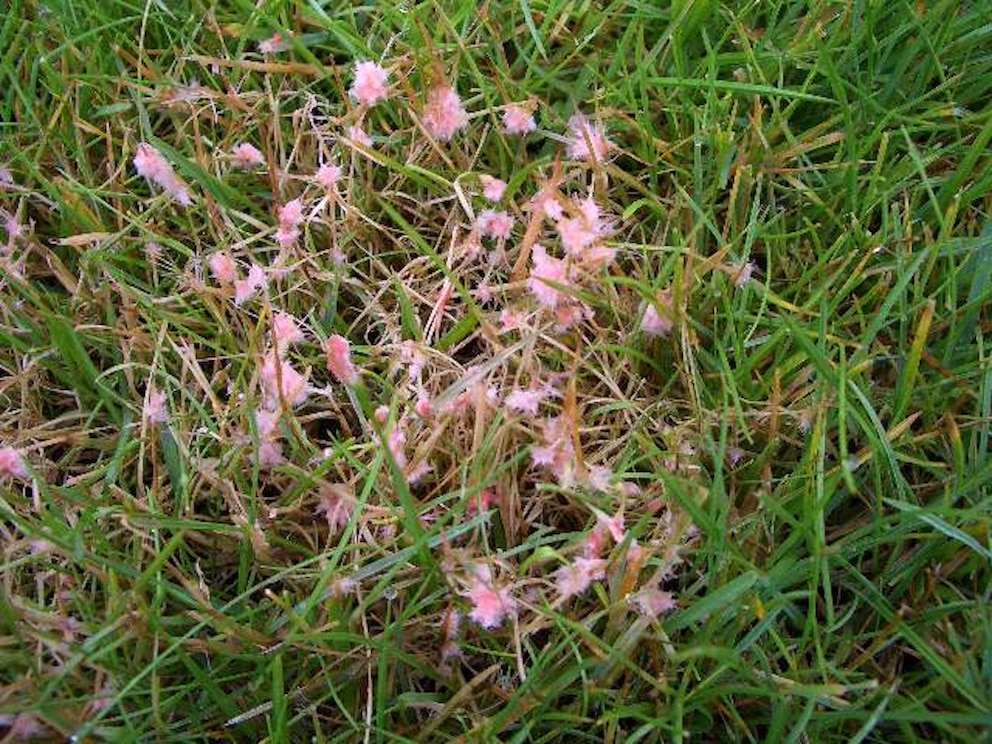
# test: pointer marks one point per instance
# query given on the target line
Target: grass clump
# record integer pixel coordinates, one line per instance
(503, 372)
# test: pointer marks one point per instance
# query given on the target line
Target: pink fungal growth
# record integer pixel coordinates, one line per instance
(328, 176)
(286, 236)
(558, 451)
(223, 268)
(652, 601)
(598, 477)
(396, 443)
(153, 166)
(417, 473)
(518, 121)
(270, 454)
(423, 406)
(511, 320)
(381, 415)
(290, 218)
(283, 383)
(12, 463)
(588, 140)
(156, 409)
(548, 277)
(444, 115)
(291, 213)
(547, 202)
(494, 224)
(570, 314)
(273, 45)
(606, 527)
(414, 359)
(339, 361)
(247, 156)
(613, 525)
(22, 727)
(337, 505)
(481, 503)
(528, 401)
(359, 136)
(742, 274)
(15, 230)
(245, 289)
(369, 86)
(286, 330)
(580, 235)
(269, 447)
(576, 577)
(657, 319)
(490, 605)
(492, 188)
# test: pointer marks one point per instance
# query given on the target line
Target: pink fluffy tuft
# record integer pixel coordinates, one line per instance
(12, 463)
(223, 268)
(444, 115)
(339, 361)
(247, 156)
(153, 166)
(518, 121)
(370, 84)
(490, 605)
(588, 140)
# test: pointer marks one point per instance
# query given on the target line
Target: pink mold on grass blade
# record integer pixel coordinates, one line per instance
(156, 410)
(223, 268)
(576, 577)
(152, 165)
(490, 605)
(339, 361)
(286, 236)
(328, 175)
(657, 320)
(359, 136)
(337, 506)
(273, 45)
(742, 274)
(283, 383)
(245, 289)
(12, 463)
(247, 156)
(547, 203)
(290, 218)
(396, 442)
(652, 601)
(587, 140)
(548, 278)
(369, 86)
(286, 330)
(581, 234)
(291, 213)
(269, 447)
(557, 454)
(529, 401)
(492, 188)
(518, 121)
(444, 115)
(495, 224)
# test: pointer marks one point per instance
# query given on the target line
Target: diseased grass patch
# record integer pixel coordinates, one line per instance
(662, 415)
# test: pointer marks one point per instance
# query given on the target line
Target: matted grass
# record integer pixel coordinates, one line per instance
(800, 190)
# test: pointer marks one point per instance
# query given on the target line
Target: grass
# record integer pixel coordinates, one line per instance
(802, 460)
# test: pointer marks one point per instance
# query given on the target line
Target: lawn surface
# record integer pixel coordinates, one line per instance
(683, 436)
